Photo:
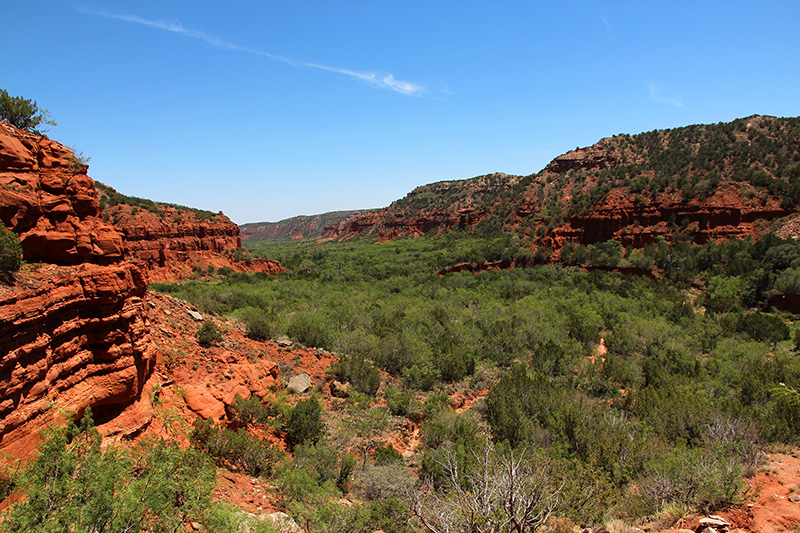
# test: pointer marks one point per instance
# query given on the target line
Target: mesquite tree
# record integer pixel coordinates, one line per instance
(502, 492)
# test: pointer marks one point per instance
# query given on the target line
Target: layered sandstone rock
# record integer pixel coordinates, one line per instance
(440, 206)
(71, 337)
(726, 214)
(74, 326)
(299, 227)
(700, 183)
(73, 330)
(48, 199)
(172, 234)
(170, 242)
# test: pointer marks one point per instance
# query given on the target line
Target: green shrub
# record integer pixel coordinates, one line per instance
(390, 515)
(251, 410)
(208, 334)
(764, 327)
(23, 113)
(260, 324)
(325, 463)
(229, 447)
(385, 455)
(722, 294)
(382, 482)
(708, 478)
(789, 281)
(402, 403)
(10, 253)
(307, 330)
(304, 424)
(422, 375)
(75, 485)
(357, 371)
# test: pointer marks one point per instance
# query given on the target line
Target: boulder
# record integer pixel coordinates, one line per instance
(300, 383)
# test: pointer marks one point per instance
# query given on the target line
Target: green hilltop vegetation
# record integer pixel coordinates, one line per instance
(110, 198)
(758, 155)
(761, 152)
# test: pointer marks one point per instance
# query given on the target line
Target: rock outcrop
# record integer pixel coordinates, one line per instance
(620, 216)
(73, 327)
(71, 338)
(299, 227)
(695, 183)
(52, 204)
(170, 242)
(437, 207)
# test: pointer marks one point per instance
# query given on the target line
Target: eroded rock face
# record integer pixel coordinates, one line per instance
(168, 242)
(74, 326)
(174, 234)
(724, 215)
(439, 207)
(73, 330)
(71, 338)
(48, 199)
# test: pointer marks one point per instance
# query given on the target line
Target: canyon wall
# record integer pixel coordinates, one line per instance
(73, 325)
(169, 242)
(696, 183)
(437, 207)
(71, 337)
(299, 227)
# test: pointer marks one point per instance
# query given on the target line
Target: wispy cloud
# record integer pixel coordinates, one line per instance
(381, 80)
(657, 96)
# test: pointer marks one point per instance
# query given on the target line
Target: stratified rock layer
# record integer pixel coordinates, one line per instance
(52, 204)
(440, 206)
(170, 242)
(74, 325)
(75, 339)
(699, 183)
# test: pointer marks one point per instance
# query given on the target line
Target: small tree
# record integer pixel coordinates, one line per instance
(304, 424)
(503, 492)
(23, 113)
(10, 253)
(209, 334)
(75, 484)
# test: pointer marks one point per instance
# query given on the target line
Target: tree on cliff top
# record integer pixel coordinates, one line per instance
(23, 113)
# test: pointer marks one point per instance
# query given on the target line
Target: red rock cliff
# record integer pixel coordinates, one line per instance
(71, 337)
(440, 206)
(167, 241)
(73, 328)
(47, 198)
(74, 325)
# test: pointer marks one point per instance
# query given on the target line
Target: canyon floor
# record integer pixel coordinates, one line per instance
(191, 380)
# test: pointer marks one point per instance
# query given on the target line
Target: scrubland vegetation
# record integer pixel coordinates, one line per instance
(601, 396)
(626, 395)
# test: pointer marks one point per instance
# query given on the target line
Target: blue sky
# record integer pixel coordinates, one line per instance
(267, 109)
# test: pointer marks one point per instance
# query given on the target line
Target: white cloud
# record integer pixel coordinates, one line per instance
(656, 96)
(376, 79)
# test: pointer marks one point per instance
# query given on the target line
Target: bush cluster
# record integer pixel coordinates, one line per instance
(209, 334)
(229, 447)
(10, 254)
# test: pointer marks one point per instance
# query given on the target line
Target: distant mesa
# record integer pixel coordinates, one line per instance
(299, 227)
(695, 183)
